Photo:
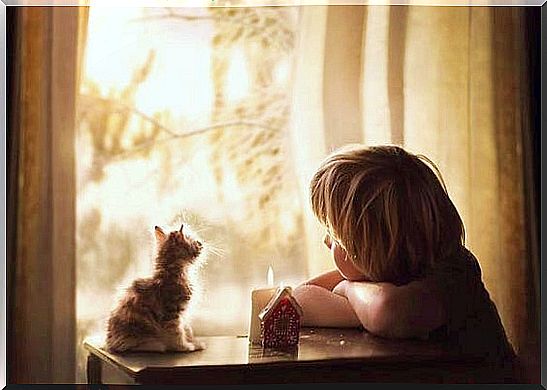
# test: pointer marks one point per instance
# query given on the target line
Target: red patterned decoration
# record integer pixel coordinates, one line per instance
(280, 321)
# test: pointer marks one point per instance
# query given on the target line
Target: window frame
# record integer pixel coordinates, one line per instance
(41, 297)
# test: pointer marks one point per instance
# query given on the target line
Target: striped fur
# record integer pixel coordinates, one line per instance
(150, 315)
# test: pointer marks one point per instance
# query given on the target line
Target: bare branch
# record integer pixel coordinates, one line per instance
(133, 110)
(188, 18)
(174, 134)
(190, 133)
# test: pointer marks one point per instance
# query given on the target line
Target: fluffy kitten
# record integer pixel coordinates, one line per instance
(148, 318)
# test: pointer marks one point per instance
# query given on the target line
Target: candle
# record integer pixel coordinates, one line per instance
(259, 299)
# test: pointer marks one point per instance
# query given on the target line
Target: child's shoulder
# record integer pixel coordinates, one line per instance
(459, 267)
(472, 318)
(458, 281)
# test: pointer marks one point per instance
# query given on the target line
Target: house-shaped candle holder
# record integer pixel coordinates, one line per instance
(280, 321)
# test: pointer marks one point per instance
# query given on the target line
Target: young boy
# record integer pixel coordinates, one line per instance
(397, 242)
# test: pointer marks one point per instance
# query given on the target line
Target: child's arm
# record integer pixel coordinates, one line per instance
(324, 308)
(328, 280)
(411, 310)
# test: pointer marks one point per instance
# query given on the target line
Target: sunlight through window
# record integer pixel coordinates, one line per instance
(183, 115)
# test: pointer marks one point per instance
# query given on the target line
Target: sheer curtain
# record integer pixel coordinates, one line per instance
(451, 83)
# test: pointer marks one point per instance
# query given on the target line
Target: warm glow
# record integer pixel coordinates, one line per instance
(237, 83)
(180, 86)
(270, 276)
(287, 220)
(282, 72)
(101, 49)
(376, 117)
(146, 3)
(149, 77)
(179, 80)
(368, 294)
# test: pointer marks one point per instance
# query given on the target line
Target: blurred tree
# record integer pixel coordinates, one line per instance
(246, 148)
(106, 120)
(257, 155)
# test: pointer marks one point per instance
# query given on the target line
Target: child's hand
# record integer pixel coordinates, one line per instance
(327, 280)
(324, 308)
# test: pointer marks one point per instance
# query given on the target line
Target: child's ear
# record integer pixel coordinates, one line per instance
(160, 235)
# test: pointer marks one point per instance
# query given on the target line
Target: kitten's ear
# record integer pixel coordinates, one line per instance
(160, 235)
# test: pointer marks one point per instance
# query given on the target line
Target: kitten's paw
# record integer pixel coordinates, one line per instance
(185, 347)
(191, 346)
(199, 345)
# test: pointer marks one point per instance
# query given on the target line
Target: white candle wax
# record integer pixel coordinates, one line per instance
(259, 300)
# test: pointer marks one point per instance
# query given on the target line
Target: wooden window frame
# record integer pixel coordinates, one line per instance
(42, 265)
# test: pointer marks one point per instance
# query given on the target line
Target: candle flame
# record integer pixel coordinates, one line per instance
(270, 276)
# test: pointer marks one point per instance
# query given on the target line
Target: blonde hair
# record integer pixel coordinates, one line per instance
(389, 209)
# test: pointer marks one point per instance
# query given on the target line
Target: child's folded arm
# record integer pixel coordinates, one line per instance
(323, 308)
(327, 280)
(408, 311)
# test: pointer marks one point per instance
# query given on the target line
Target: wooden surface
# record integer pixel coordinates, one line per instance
(324, 355)
(315, 345)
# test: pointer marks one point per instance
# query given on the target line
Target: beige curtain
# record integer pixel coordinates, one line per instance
(467, 113)
(448, 82)
(40, 260)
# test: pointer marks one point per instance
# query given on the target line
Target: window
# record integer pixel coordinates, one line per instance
(220, 116)
(184, 113)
